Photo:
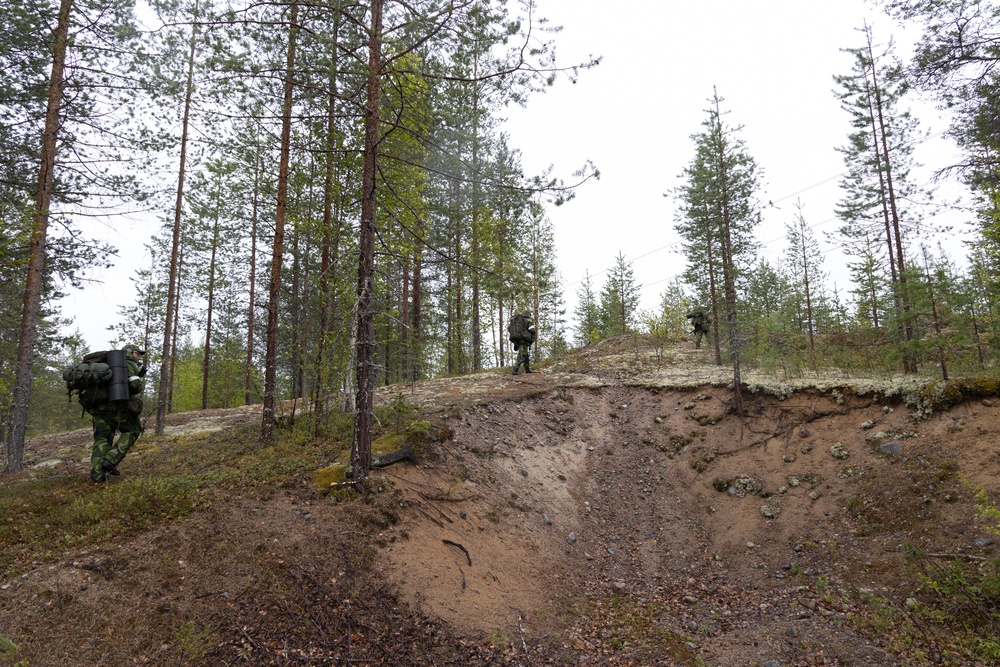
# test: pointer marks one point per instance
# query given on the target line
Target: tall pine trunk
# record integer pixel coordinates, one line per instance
(329, 251)
(255, 212)
(211, 303)
(271, 355)
(166, 360)
(882, 140)
(364, 401)
(32, 304)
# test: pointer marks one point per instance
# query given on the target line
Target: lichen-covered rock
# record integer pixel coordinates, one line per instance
(745, 485)
(838, 451)
(770, 511)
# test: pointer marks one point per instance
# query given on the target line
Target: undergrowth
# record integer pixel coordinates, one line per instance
(956, 609)
(166, 479)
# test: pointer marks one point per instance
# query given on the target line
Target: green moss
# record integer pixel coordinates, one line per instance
(937, 396)
(330, 475)
(389, 443)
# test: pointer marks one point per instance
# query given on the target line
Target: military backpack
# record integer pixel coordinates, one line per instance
(90, 380)
(519, 330)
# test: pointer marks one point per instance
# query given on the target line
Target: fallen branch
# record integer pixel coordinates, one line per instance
(464, 550)
(524, 644)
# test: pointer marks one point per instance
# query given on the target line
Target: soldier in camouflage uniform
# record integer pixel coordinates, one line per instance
(524, 348)
(701, 322)
(118, 416)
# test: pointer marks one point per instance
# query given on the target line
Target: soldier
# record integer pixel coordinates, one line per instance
(522, 335)
(120, 416)
(701, 322)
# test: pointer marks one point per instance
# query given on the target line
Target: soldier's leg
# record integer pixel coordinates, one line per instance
(517, 359)
(104, 433)
(697, 338)
(130, 428)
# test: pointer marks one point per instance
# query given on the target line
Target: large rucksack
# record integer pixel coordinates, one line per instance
(90, 380)
(519, 331)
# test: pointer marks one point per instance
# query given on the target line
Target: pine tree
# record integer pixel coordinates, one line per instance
(879, 158)
(803, 261)
(73, 116)
(619, 300)
(587, 313)
(718, 214)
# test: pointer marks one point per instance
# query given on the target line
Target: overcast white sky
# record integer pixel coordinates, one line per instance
(771, 60)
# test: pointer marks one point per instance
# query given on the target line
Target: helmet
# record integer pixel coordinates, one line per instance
(129, 349)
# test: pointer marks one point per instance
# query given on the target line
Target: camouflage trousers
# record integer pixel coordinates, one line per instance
(105, 427)
(523, 358)
(698, 334)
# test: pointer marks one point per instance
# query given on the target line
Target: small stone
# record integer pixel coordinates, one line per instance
(792, 632)
(890, 448)
(658, 420)
(545, 519)
(462, 515)
(692, 626)
(788, 458)
(772, 663)
(987, 402)
(804, 433)
(619, 585)
(982, 542)
(571, 538)
(690, 599)
(587, 556)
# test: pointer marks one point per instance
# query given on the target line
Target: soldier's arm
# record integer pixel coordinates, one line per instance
(135, 381)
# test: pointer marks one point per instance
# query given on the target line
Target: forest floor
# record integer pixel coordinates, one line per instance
(607, 509)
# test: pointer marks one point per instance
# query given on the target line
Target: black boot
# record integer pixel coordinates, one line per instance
(109, 467)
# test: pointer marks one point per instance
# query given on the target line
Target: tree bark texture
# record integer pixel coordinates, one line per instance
(364, 400)
(271, 354)
(166, 364)
(32, 304)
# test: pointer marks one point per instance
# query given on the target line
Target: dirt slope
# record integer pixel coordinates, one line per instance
(600, 511)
